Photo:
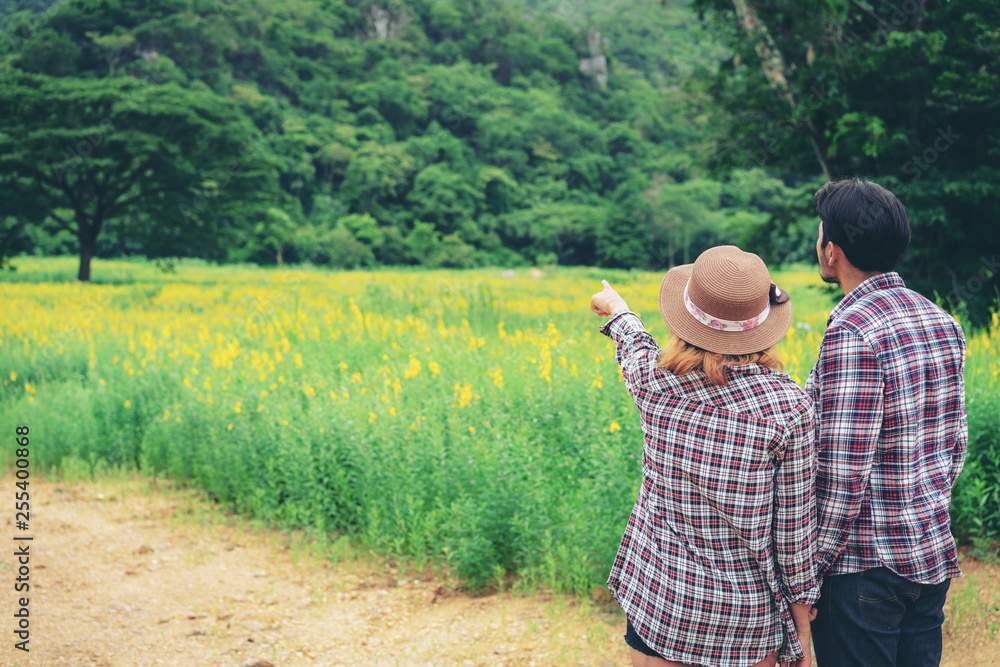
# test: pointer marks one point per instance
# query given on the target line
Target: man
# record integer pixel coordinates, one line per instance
(890, 404)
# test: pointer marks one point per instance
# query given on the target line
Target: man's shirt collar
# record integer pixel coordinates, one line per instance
(878, 281)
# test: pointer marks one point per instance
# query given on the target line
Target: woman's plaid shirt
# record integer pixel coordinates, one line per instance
(722, 536)
(890, 402)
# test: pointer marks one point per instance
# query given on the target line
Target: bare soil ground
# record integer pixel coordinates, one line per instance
(129, 572)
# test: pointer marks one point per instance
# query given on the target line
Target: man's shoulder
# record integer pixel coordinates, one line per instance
(893, 305)
(895, 313)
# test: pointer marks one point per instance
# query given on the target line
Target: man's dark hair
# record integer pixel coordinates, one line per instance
(865, 220)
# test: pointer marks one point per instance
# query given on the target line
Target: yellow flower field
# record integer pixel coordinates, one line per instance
(458, 418)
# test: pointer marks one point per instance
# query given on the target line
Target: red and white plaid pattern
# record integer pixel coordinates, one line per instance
(890, 402)
(722, 535)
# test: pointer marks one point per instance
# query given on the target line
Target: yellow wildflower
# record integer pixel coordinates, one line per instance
(463, 395)
(413, 369)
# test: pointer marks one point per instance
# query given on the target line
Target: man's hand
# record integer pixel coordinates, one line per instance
(607, 302)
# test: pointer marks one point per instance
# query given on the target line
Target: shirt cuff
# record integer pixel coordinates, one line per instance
(804, 595)
(615, 324)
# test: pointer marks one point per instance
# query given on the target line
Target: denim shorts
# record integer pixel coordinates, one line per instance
(633, 639)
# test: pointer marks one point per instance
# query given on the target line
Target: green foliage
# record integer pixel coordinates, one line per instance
(475, 118)
(79, 153)
(422, 242)
(471, 117)
(904, 93)
(975, 508)
(49, 52)
(274, 232)
(11, 228)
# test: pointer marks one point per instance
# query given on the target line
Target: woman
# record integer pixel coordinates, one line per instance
(716, 564)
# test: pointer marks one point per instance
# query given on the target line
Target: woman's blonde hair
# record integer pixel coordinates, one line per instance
(680, 358)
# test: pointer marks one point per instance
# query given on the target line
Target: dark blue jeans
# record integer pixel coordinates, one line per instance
(876, 618)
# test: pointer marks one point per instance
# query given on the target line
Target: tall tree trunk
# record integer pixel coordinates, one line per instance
(773, 64)
(86, 253)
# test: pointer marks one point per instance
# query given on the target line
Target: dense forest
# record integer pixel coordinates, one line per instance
(461, 133)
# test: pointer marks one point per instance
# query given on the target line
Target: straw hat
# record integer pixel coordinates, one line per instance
(725, 302)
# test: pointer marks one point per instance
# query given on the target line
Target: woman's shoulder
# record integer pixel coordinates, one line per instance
(775, 391)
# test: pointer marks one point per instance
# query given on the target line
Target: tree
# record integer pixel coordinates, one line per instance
(906, 94)
(50, 52)
(376, 175)
(84, 152)
(625, 239)
(443, 197)
(10, 229)
(276, 232)
(468, 115)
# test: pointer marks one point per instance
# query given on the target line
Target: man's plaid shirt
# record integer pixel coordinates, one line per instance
(890, 403)
(722, 536)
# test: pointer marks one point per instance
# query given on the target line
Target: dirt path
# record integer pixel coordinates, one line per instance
(127, 573)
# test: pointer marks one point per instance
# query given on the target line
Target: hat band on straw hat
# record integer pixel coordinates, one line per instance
(720, 323)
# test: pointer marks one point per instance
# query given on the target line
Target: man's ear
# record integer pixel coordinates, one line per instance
(833, 253)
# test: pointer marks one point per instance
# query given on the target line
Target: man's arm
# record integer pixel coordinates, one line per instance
(849, 394)
(961, 445)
